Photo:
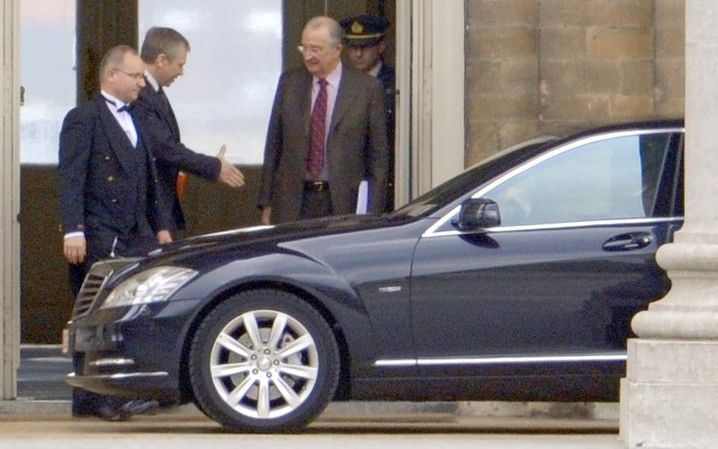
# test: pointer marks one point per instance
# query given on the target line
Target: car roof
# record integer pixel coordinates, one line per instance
(572, 131)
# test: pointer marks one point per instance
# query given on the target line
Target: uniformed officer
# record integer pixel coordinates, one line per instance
(364, 36)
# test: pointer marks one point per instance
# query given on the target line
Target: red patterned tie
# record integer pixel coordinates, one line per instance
(316, 131)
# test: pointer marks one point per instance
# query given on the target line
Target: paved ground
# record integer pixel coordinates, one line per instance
(186, 428)
(41, 419)
(42, 373)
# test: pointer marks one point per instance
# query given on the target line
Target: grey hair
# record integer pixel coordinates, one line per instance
(159, 40)
(335, 30)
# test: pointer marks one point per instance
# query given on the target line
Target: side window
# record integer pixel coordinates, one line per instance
(615, 178)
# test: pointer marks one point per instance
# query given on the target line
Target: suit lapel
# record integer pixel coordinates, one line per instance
(169, 114)
(162, 105)
(305, 90)
(118, 140)
(345, 94)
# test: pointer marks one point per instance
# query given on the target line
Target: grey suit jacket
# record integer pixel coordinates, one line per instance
(357, 146)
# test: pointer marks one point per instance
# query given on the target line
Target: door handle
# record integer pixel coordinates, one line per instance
(628, 242)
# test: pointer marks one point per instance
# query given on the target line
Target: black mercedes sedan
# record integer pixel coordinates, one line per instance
(516, 280)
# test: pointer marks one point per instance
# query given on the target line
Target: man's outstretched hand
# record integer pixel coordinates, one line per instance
(228, 173)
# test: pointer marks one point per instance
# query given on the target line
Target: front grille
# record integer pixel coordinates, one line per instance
(94, 282)
(89, 291)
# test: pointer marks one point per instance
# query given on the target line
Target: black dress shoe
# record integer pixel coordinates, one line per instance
(126, 410)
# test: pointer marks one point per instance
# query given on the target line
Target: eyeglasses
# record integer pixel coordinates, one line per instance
(311, 49)
(134, 76)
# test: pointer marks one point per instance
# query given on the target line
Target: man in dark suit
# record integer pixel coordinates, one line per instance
(364, 36)
(327, 133)
(164, 52)
(107, 193)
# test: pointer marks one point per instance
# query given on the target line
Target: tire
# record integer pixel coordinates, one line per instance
(263, 361)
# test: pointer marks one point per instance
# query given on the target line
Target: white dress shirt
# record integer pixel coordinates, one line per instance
(123, 117)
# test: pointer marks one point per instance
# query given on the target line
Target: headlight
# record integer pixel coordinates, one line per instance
(153, 285)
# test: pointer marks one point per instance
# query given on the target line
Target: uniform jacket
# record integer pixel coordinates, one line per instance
(356, 144)
(107, 188)
(170, 154)
(386, 76)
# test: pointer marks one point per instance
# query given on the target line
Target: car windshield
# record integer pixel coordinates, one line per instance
(454, 188)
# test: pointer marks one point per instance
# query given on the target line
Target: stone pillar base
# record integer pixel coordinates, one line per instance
(669, 398)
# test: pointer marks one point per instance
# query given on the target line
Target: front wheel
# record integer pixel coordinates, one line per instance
(263, 361)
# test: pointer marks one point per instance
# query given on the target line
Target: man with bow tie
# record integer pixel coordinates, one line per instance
(107, 192)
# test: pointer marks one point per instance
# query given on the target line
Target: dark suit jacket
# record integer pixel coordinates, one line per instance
(356, 145)
(170, 154)
(102, 191)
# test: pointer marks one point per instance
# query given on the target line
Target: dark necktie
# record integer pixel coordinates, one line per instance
(315, 163)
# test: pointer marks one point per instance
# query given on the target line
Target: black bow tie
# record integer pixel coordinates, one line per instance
(124, 108)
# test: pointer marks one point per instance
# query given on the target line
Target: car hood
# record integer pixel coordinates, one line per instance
(273, 235)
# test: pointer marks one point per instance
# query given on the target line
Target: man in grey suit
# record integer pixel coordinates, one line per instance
(327, 133)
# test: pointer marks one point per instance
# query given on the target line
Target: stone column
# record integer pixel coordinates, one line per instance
(669, 398)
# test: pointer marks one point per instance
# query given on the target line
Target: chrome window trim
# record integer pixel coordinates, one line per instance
(432, 230)
(472, 361)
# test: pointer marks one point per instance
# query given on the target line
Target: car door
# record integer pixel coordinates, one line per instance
(572, 260)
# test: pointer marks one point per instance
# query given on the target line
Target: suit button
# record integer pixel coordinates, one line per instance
(110, 178)
(107, 158)
(114, 200)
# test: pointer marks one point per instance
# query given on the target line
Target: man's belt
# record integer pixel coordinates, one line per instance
(316, 186)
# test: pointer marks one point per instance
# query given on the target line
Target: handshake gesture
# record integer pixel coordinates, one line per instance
(228, 173)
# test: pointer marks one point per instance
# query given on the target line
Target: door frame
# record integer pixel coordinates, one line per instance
(10, 193)
(430, 129)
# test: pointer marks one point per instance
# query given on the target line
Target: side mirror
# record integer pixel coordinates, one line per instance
(478, 213)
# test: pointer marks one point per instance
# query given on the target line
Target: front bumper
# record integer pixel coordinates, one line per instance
(135, 385)
(130, 352)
